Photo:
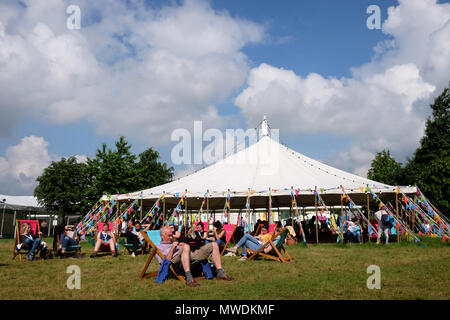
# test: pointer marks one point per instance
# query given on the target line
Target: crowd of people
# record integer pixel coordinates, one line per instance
(197, 244)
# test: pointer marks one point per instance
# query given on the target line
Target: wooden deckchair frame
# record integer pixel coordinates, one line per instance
(155, 251)
(278, 257)
(228, 241)
(257, 229)
(17, 239)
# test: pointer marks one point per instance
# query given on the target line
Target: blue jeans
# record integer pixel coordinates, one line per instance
(66, 241)
(353, 235)
(33, 244)
(248, 241)
(220, 242)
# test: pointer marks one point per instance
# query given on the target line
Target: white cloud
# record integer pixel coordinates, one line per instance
(81, 158)
(22, 164)
(385, 102)
(134, 71)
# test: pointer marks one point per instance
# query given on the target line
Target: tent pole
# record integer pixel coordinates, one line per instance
(368, 217)
(164, 208)
(14, 221)
(118, 210)
(207, 208)
(413, 224)
(396, 210)
(185, 213)
(3, 219)
(140, 213)
(342, 221)
(407, 222)
(317, 219)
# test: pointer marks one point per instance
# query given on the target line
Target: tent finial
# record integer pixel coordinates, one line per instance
(264, 127)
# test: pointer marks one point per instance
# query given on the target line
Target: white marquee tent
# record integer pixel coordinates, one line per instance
(264, 168)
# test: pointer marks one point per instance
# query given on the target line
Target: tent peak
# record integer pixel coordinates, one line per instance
(264, 127)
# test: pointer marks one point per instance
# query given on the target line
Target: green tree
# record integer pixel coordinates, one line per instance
(150, 171)
(112, 171)
(429, 167)
(385, 169)
(61, 187)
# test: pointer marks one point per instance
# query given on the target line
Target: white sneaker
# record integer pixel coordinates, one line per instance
(233, 250)
(243, 258)
(133, 255)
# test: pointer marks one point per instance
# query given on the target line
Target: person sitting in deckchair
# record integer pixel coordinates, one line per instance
(29, 240)
(178, 252)
(68, 238)
(135, 237)
(176, 233)
(253, 243)
(105, 240)
(353, 230)
(219, 233)
(199, 236)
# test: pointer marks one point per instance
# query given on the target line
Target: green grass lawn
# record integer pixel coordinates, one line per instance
(325, 271)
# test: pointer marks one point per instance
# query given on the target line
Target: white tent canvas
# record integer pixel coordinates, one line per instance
(20, 203)
(264, 168)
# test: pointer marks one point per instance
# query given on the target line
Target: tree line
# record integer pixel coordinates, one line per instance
(68, 186)
(429, 166)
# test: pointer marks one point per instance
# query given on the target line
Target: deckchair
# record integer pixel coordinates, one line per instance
(229, 233)
(275, 254)
(129, 246)
(70, 249)
(34, 224)
(155, 251)
(111, 227)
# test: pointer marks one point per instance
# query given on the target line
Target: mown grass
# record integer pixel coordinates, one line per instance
(325, 271)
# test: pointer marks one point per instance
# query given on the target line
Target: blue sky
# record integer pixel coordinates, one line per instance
(294, 39)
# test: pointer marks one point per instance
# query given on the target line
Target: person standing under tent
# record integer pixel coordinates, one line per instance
(384, 224)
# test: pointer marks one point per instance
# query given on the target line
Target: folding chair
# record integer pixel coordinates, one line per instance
(257, 230)
(111, 227)
(34, 224)
(70, 249)
(129, 246)
(229, 233)
(155, 251)
(275, 254)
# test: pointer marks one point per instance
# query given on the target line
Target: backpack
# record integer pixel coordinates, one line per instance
(385, 220)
